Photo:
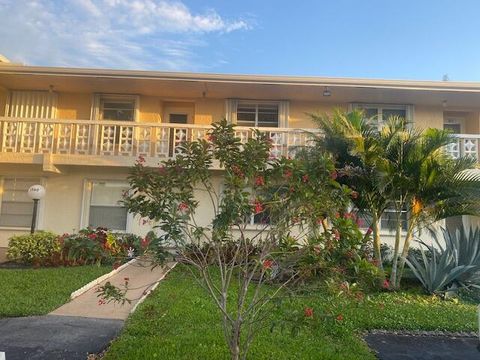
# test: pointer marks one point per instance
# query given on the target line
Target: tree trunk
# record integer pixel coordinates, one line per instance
(235, 341)
(377, 244)
(406, 247)
(398, 230)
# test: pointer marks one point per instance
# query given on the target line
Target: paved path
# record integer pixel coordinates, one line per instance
(407, 347)
(55, 337)
(79, 327)
(141, 279)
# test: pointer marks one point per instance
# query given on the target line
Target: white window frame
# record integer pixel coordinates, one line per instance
(86, 202)
(231, 107)
(409, 110)
(41, 204)
(97, 111)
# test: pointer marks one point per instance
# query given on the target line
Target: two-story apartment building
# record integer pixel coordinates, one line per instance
(77, 131)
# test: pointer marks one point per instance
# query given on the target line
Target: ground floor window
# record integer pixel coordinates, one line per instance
(16, 208)
(105, 208)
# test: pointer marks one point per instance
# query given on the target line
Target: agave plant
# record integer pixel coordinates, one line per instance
(455, 264)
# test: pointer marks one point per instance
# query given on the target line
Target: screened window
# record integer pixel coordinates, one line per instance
(105, 207)
(257, 115)
(16, 207)
(388, 220)
(120, 110)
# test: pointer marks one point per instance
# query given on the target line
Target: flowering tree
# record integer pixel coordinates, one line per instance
(229, 226)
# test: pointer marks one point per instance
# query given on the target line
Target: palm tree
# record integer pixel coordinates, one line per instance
(400, 167)
(358, 150)
(429, 184)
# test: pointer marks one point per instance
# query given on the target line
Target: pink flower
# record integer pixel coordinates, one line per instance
(287, 174)
(144, 242)
(305, 178)
(183, 207)
(211, 138)
(336, 234)
(386, 284)
(308, 312)
(92, 236)
(259, 181)
(369, 231)
(333, 175)
(141, 159)
(101, 302)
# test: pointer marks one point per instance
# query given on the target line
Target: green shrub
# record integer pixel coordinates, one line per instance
(39, 249)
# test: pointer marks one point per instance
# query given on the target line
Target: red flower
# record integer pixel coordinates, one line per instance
(308, 312)
(360, 222)
(287, 174)
(305, 178)
(354, 195)
(259, 181)
(333, 175)
(183, 207)
(92, 236)
(211, 138)
(339, 317)
(144, 242)
(319, 220)
(101, 302)
(116, 265)
(258, 207)
(369, 231)
(267, 264)
(292, 189)
(386, 284)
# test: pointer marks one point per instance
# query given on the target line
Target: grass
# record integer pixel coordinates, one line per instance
(179, 321)
(27, 292)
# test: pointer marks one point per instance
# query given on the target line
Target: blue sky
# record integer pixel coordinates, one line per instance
(406, 39)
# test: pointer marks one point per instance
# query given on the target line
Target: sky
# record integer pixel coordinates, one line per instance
(393, 39)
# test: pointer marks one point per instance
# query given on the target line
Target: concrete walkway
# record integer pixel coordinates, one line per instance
(81, 326)
(141, 279)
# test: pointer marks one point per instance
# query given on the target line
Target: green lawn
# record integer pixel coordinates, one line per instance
(26, 292)
(178, 321)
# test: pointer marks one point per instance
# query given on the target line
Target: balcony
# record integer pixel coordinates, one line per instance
(465, 145)
(114, 143)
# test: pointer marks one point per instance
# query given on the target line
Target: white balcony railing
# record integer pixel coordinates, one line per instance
(122, 139)
(465, 145)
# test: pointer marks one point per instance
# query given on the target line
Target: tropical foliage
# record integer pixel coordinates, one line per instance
(402, 168)
(452, 264)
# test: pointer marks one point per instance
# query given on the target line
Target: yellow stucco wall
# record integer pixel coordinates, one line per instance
(299, 110)
(150, 109)
(74, 106)
(208, 111)
(428, 116)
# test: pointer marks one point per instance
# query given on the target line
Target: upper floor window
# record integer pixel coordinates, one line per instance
(116, 107)
(382, 112)
(16, 207)
(251, 113)
(257, 115)
(32, 104)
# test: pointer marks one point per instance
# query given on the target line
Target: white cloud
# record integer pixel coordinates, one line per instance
(144, 34)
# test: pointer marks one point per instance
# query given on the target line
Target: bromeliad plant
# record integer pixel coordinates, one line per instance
(206, 218)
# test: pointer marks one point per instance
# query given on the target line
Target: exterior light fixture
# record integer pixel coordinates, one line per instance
(35, 192)
(327, 91)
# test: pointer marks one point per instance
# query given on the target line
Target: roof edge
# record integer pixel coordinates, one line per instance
(15, 69)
